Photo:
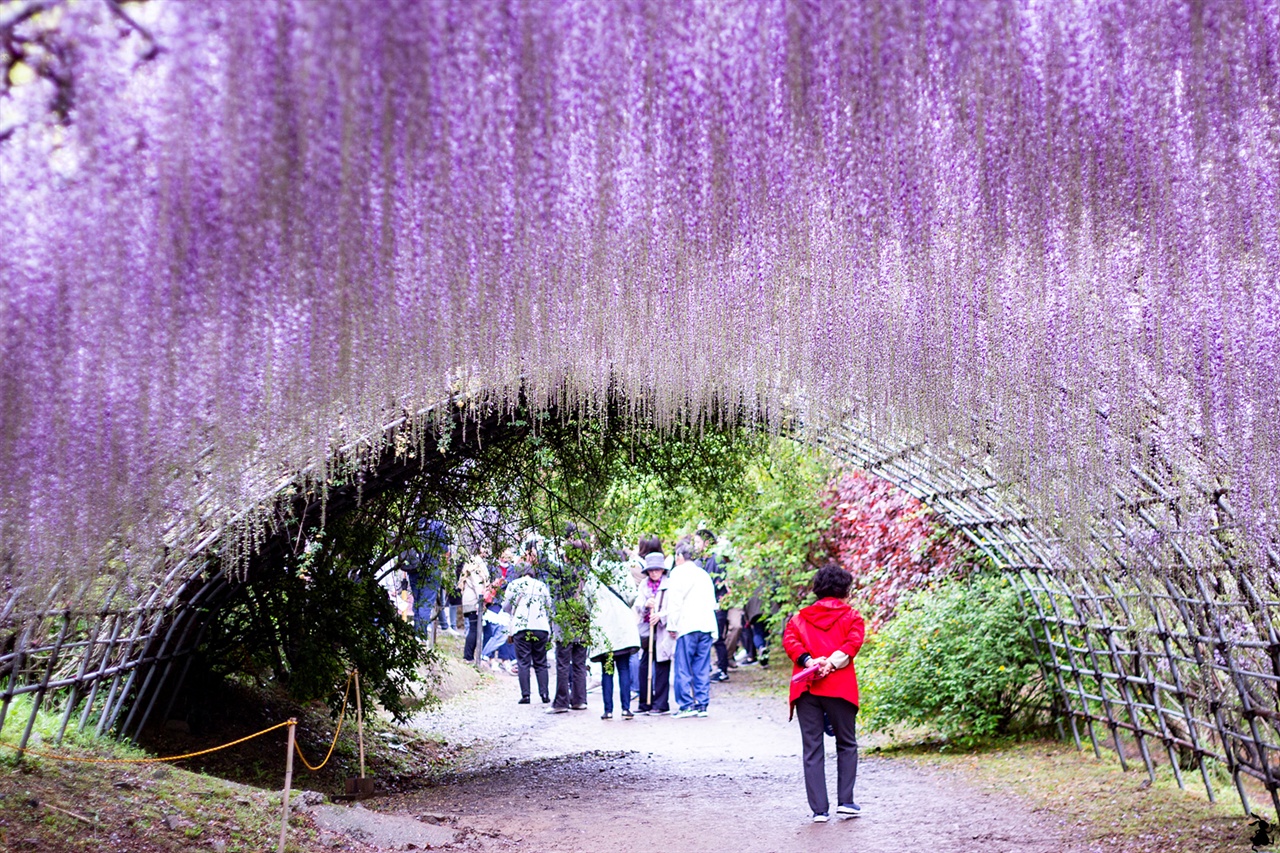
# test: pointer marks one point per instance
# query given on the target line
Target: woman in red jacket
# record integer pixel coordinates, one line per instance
(822, 640)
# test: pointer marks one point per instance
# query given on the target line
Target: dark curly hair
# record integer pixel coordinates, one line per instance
(831, 581)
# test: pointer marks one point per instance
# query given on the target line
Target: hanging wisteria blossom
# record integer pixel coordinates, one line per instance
(235, 235)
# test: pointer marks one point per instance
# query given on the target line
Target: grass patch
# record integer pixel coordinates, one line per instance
(228, 800)
(1110, 808)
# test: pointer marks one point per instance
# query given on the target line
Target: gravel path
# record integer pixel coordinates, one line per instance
(574, 782)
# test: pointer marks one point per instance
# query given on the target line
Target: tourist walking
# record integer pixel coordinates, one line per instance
(529, 602)
(690, 615)
(703, 541)
(473, 582)
(571, 623)
(612, 593)
(822, 640)
(656, 645)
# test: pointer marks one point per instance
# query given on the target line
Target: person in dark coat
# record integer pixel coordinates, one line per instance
(572, 623)
(822, 640)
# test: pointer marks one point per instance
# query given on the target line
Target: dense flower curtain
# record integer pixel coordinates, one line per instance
(236, 235)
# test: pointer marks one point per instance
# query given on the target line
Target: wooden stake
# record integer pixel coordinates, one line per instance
(288, 783)
(359, 722)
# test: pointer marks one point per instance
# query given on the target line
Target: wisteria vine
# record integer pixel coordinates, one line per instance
(1049, 229)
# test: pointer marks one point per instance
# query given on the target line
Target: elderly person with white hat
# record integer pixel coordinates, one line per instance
(656, 646)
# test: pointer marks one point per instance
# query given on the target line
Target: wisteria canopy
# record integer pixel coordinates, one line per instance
(234, 235)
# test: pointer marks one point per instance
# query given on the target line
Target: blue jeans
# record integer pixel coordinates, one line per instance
(692, 675)
(621, 669)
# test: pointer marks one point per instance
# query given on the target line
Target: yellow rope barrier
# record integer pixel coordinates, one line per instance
(60, 757)
(53, 756)
(341, 716)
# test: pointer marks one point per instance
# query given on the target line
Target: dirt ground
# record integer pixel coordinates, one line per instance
(573, 782)
(481, 773)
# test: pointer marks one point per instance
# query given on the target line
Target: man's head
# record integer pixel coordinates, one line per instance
(702, 540)
(684, 553)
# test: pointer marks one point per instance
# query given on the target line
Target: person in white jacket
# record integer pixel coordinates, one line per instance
(691, 619)
(529, 602)
(611, 592)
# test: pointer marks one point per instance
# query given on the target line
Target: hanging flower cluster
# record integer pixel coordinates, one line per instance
(1047, 229)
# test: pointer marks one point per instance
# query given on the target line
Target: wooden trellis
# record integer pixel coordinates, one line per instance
(1157, 642)
(115, 654)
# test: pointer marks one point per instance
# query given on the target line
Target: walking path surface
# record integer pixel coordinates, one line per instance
(574, 782)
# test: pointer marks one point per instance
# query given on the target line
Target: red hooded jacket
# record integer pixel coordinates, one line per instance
(827, 625)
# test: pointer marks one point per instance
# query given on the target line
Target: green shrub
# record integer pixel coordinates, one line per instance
(959, 658)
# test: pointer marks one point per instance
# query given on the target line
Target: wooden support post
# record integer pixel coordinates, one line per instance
(1122, 673)
(359, 721)
(1205, 673)
(288, 783)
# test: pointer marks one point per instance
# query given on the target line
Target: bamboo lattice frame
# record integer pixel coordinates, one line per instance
(1151, 651)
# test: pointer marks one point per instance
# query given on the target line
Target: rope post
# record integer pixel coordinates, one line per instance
(288, 783)
(359, 722)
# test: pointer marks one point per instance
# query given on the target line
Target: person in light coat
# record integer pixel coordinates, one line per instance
(690, 615)
(615, 633)
(656, 645)
(473, 583)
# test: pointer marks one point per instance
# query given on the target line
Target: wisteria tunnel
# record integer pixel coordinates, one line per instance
(1021, 260)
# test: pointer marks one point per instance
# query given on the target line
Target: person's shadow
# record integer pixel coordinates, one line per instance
(1262, 835)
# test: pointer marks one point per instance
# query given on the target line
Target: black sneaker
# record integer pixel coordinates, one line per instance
(848, 810)
(546, 699)
(524, 700)
(627, 715)
(720, 676)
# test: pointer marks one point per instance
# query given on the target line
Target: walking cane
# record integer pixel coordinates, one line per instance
(653, 664)
(648, 684)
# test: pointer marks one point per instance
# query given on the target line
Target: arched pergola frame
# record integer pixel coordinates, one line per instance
(1178, 664)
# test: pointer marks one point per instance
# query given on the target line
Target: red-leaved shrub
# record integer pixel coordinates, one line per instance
(890, 541)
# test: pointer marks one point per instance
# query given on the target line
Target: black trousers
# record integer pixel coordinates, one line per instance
(531, 653)
(469, 645)
(644, 692)
(722, 651)
(843, 715)
(571, 675)
(661, 685)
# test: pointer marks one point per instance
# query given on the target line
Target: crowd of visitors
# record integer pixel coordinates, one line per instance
(661, 629)
(655, 625)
